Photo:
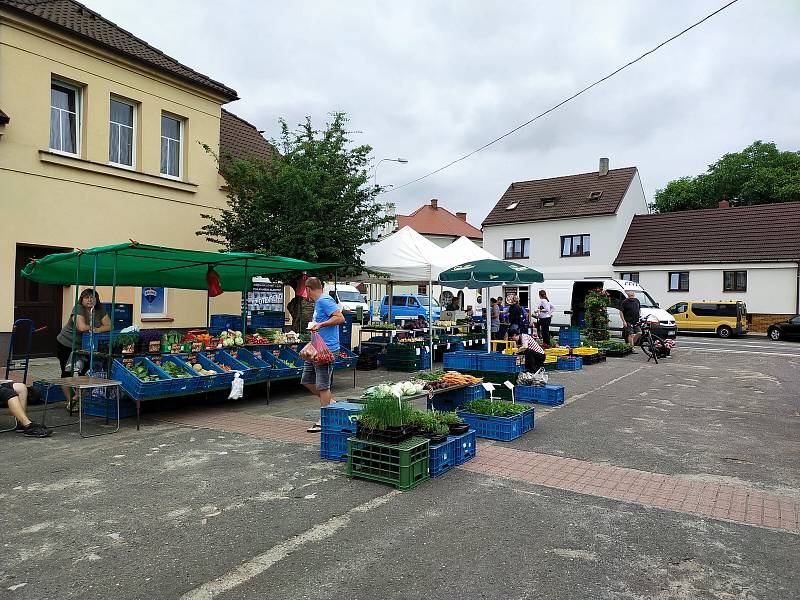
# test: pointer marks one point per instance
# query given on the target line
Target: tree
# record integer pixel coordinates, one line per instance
(312, 202)
(759, 174)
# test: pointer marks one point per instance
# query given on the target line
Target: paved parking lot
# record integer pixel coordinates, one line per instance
(678, 480)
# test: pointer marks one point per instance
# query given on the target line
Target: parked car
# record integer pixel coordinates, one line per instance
(726, 318)
(789, 329)
(409, 305)
(348, 298)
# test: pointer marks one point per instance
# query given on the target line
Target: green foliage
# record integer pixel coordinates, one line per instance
(495, 408)
(449, 418)
(596, 303)
(759, 174)
(384, 412)
(312, 202)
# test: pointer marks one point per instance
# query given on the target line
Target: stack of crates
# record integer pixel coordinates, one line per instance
(569, 336)
(457, 450)
(550, 394)
(402, 357)
(448, 401)
(569, 363)
(404, 465)
(337, 427)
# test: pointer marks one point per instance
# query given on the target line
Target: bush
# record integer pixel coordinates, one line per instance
(596, 304)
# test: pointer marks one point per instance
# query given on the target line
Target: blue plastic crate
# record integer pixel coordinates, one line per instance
(279, 368)
(442, 457)
(135, 387)
(223, 358)
(458, 397)
(503, 429)
(221, 380)
(233, 322)
(96, 407)
(466, 445)
(500, 363)
(551, 394)
(92, 341)
(460, 360)
(183, 385)
(569, 363)
(344, 363)
(268, 321)
(569, 336)
(247, 358)
(55, 393)
(335, 418)
(333, 445)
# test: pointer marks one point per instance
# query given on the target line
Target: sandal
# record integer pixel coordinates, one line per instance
(315, 428)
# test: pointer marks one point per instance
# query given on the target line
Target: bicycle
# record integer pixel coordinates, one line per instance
(654, 346)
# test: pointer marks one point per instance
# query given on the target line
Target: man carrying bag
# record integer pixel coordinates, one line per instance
(325, 341)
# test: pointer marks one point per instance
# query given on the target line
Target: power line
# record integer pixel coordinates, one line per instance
(563, 102)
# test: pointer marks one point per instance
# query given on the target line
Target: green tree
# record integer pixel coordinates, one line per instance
(596, 305)
(759, 174)
(312, 201)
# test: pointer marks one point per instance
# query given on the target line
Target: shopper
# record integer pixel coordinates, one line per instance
(534, 355)
(327, 318)
(495, 319)
(15, 397)
(503, 333)
(544, 313)
(514, 316)
(631, 311)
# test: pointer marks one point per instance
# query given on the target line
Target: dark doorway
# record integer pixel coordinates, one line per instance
(39, 302)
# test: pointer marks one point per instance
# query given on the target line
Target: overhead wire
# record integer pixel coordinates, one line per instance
(563, 102)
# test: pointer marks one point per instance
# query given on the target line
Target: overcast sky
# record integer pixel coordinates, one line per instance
(431, 81)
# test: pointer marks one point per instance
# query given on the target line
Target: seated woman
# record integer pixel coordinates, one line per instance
(88, 315)
(15, 397)
(534, 355)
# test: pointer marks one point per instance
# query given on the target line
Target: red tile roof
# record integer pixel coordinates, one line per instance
(73, 17)
(432, 219)
(762, 233)
(240, 139)
(571, 194)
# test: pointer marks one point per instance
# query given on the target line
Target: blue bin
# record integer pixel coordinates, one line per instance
(442, 457)
(233, 322)
(503, 429)
(550, 394)
(336, 417)
(333, 445)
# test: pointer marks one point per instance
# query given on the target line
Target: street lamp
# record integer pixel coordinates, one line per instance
(397, 160)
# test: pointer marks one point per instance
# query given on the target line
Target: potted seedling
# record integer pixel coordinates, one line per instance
(454, 423)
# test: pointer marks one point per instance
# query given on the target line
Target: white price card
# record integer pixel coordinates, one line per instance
(448, 346)
(489, 387)
(417, 351)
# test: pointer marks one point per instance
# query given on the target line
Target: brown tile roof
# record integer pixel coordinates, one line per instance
(240, 139)
(763, 233)
(4, 118)
(432, 219)
(75, 18)
(571, 193)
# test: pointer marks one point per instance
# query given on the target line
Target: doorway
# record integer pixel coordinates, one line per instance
(42, 303)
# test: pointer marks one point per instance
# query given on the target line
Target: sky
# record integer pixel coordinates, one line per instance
(430, 81)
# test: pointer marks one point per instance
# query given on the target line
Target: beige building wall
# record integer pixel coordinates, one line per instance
(51, 199)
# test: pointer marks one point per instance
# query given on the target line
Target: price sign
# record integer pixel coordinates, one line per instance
(257, 353)
(154, 347)
(156, 360)
(191, 358)
(198, 345)
(129, 349)
(127, 363)
(488, 387)
(417, 351)
(175, 348)
(212, 356)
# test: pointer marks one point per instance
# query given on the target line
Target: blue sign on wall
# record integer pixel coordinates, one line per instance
(154, 302)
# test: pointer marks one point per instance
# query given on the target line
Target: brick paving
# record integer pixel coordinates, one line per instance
(733, 503)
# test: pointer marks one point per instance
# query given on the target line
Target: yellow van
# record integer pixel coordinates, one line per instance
(723, 317)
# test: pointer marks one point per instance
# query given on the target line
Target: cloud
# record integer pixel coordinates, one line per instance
(431, 81)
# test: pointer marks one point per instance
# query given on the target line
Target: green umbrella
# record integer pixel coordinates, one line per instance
(486, 273)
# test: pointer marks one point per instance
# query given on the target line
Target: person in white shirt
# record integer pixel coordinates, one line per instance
(527, 345)
(544, 312)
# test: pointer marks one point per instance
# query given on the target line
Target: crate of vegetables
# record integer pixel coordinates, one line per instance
(223, 361)
(259, 365)
(285, 363)
(498, 419)
(213, 375)
(345, 359)
(184, 378)
(140, 378)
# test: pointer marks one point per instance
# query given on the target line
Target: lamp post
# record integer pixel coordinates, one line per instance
(397, 160)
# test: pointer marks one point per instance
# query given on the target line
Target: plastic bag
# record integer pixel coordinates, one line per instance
(323, 355)
(237, 387)
(525, 378)
(540, 377)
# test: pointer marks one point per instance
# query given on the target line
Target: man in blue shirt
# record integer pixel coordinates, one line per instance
(327, 318)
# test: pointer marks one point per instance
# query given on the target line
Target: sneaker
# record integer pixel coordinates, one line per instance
(20, 428)
(36, 430)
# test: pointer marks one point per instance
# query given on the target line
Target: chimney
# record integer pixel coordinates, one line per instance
(434, 203)
(603, 167)
(462, 216)
(724, 203)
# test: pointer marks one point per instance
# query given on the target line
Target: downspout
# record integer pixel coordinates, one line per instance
(797, 296)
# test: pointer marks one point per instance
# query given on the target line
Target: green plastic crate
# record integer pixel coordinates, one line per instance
(402, 465)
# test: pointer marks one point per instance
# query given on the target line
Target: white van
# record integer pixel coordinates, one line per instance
(348, 298)
(568, 296)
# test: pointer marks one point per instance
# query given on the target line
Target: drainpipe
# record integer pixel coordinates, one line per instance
(797, 297)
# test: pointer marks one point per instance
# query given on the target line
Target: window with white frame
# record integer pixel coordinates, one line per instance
(65, 117)
(121, 133)
(171, 134)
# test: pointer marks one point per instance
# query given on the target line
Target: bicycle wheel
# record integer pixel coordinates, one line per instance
(649, 347)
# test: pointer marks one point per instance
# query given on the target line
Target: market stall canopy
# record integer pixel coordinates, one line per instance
(405, 257)
(487, 273)
(465, 249)
(135, 264)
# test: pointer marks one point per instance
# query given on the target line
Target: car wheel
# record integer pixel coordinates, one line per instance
(774, 334)
(725, 332)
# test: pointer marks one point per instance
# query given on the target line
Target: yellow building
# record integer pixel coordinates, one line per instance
(101, 141)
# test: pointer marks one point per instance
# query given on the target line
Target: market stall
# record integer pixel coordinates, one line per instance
(178, 366)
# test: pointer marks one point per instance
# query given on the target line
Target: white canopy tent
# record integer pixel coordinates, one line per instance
(464, 249)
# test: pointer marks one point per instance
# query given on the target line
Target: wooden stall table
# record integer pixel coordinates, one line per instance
(80, 385)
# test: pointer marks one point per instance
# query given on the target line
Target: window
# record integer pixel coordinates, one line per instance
(422, 290)
(517, 248)
(678, 308)
(120, 133)
(679, 281)
(398, 300)
(512, 206)
(595, 196)
(171, 133)
(65, 117)
(708, 309)
(575, 245)
(549, 202)
(734, 281)
(629, 277)
(413, 302)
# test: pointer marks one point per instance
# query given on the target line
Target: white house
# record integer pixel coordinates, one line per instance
(566, 227)
(748, 253)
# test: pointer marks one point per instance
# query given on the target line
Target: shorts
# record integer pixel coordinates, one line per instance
(6, 394)
(632, 330)
(319, 375)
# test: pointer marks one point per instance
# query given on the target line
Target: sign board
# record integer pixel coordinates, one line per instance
(265, 297)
